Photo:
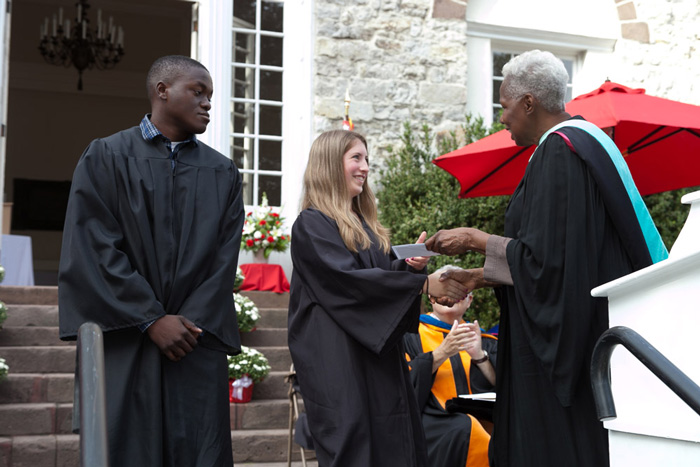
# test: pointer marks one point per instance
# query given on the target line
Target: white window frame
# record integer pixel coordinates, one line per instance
(214, 49)
(485, 39)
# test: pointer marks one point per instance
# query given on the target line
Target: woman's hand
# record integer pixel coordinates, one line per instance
(447, 291)
(419, 262)
(458, 241)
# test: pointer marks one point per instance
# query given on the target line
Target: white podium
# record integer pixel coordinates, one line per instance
(654, 427)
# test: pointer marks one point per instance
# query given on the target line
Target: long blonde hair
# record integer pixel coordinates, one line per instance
(325, 189)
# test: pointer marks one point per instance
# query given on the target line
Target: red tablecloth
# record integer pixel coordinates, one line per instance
(260, 276)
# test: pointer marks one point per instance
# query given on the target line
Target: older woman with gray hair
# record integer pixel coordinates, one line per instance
(575, 221)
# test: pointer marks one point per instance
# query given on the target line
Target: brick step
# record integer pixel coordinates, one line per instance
(265, 337)
(28, 419)
(58, 387)
(47, 315)
(35, 419)
(40, 451)
(16, 336)
(48, 295)
(262, 446)
(61, 359)
(272, 318)
(268, 299)
(40, 359)
(12, 336)
(36, 387)
(251, 447)
(32, 315)
(34, 295)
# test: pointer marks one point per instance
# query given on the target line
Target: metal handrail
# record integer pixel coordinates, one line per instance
(91, 397)
(654, 360)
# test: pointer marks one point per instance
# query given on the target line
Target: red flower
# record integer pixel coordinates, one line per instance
(262, 222)
(282, 237)
(250, 213)
(274, 214)
(249, 242)
(270, 239)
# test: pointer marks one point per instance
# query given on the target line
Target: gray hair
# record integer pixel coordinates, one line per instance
(539, 73)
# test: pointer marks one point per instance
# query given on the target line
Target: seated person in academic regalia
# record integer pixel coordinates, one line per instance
(449, 357)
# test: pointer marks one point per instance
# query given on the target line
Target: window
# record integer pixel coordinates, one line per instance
(256, 98)
(501, 58)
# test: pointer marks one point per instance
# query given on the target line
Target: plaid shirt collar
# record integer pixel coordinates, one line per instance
(150, 132)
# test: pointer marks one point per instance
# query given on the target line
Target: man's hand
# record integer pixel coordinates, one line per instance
(175, 336)
(457, 241)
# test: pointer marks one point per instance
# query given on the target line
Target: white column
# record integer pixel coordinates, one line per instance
(213, 48)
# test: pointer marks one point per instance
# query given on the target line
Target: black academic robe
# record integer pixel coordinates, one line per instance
(566, 241)
(453, 439)
(347, 316)
(143, 239)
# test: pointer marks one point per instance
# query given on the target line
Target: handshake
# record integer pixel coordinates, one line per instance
(450, 284)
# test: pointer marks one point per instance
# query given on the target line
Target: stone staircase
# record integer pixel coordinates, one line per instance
(36, 399)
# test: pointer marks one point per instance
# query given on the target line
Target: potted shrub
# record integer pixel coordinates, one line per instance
(248, 367)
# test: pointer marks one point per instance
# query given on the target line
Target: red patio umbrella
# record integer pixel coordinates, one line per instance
(659, 138)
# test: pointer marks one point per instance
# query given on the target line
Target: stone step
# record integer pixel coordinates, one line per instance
(266, 299)
(28, 419)
(61, 359)
(29, 295)
(47, 315)
(36, 387)
(272, 387)
(40, 451)
(35, 419)
(58, 387)
(272, 318)
(12, 336)
(261, 414)
(262, 448)
(32, 315)
(265, 337)
(41, 359)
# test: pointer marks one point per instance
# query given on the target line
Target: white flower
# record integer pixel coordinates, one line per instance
(257, 234)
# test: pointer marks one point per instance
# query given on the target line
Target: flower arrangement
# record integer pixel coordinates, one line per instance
(246, 312)
(249, 362)
(239, 279)
(262, 230)
(4, 369)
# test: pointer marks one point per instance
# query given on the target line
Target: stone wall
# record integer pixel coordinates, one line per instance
(399, 65)
(668, 65)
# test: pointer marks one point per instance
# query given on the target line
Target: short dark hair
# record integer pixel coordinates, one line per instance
(169, 68)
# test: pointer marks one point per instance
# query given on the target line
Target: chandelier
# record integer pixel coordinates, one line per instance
(66, 43)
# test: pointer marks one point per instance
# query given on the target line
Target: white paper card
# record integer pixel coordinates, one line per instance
(482, 396)
(411, 250)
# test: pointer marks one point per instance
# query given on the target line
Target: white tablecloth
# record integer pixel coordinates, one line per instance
(16, 258)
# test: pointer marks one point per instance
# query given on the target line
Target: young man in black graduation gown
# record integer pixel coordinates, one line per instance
(575, 221)
(150, 249)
